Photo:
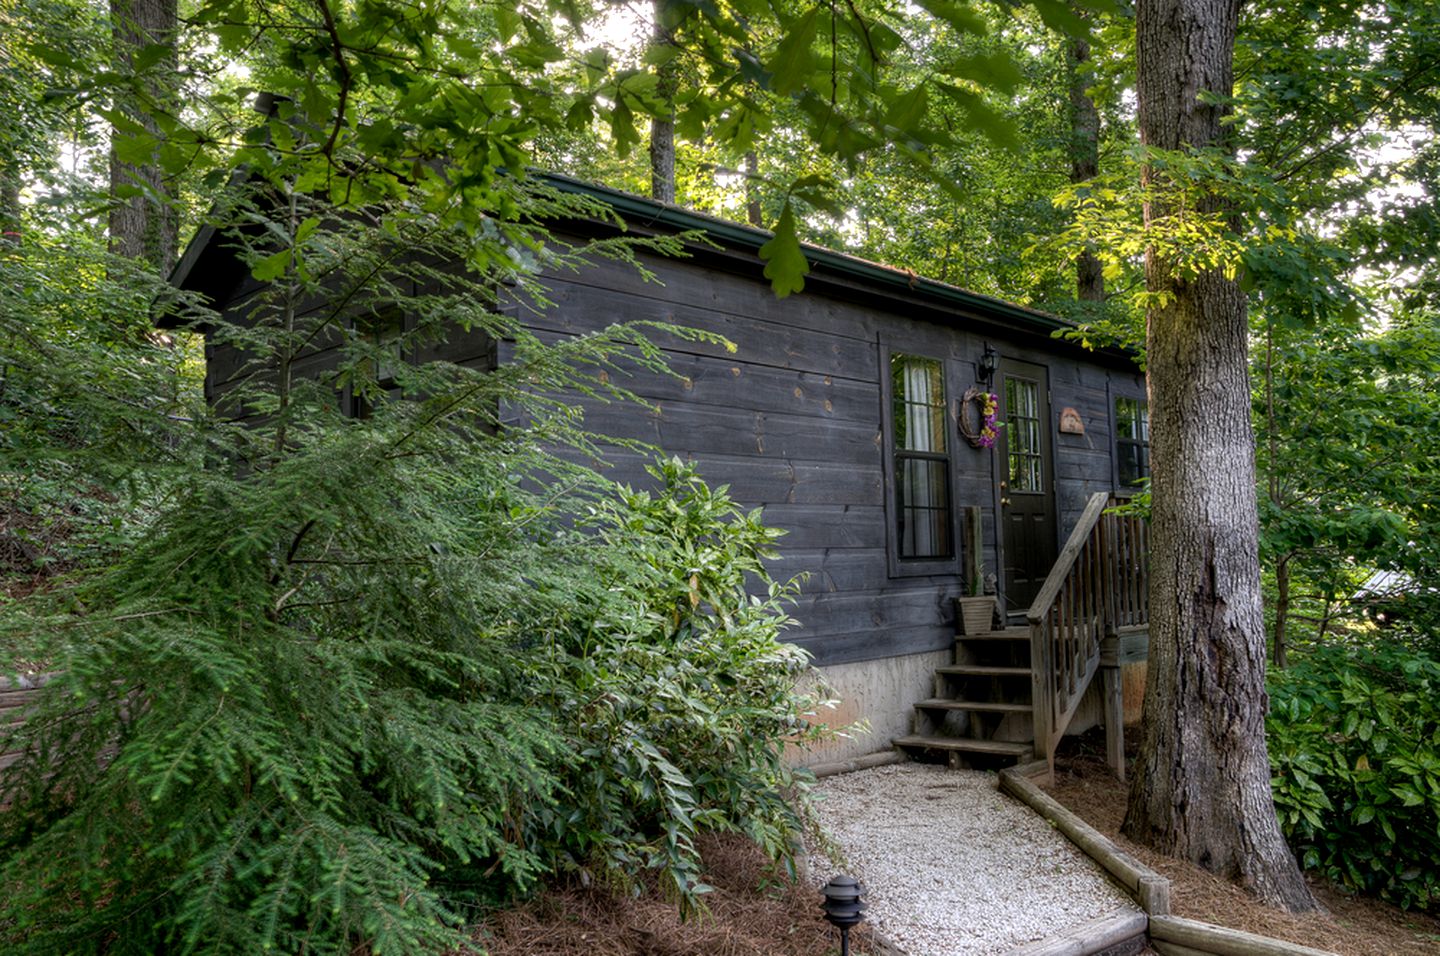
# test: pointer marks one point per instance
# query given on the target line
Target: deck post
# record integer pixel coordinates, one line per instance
(1042, 705)
(1114, 721)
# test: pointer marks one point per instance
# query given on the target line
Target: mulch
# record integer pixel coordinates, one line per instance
(1354, 926)
(753, 911)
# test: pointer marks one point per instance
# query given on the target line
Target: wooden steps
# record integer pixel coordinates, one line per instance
(981, 670)
(1003, 748)
(981, 705)
(1018, 633)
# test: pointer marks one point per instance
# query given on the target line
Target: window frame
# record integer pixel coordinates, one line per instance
(1142, 402)
(899, 566)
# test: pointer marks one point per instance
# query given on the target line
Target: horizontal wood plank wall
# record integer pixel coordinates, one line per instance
(790, 420)
(1083, 463)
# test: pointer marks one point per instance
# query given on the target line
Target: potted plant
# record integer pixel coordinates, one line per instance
(974, 614)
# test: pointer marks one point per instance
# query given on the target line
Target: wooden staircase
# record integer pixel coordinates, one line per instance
(1012, 693)
(981, 711)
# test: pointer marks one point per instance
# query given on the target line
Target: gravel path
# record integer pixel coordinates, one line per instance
(952, 866)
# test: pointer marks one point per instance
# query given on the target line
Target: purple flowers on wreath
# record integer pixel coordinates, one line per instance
(990, 404)
(977, 418)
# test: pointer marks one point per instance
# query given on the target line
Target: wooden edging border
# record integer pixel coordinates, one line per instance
(1169, 935)
(879, 759)
(1086, 939)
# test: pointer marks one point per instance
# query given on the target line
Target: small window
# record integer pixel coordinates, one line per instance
(922, 459)
(1022, 421)
(1132, 441)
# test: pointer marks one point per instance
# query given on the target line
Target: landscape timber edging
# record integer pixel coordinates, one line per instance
(879, 759)
(1109, 934)
(1168, 935)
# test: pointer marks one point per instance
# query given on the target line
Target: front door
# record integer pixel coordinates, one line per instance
(1027, 480)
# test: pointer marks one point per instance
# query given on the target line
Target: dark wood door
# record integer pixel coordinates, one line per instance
(1027, 483)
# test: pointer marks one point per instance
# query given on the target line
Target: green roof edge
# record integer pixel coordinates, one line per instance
(653, 211)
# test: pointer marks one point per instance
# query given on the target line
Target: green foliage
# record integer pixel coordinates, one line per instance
(1354, 739)
(333, 694)
(681, 693)
(89, 400)
(347, 696)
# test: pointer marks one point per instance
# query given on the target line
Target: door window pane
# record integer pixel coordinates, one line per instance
(1022, 429)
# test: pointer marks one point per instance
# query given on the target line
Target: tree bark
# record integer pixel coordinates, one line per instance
(1084, 159)
(10, 202)
(1201, 789)
(143, 227)
(753, 213)
(1280, 639)
(662, 128)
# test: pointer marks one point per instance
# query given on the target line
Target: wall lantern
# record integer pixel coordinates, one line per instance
(989, 362)
(843, 908)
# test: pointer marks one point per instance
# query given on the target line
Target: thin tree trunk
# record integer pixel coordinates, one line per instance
(143, 226)
(753, 213)
(662, 128)
(1280, 638)
(1084, 159)
(1280, 635)
(10, 203)
(1201, 789)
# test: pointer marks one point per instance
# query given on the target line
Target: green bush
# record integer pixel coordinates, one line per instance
(1354, 735)
(348, 698)
(681, 694)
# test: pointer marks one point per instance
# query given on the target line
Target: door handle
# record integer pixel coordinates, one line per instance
(1004, 502)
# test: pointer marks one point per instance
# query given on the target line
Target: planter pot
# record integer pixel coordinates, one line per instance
(975, 615)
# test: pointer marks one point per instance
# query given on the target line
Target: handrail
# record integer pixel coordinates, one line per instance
(1098, 585)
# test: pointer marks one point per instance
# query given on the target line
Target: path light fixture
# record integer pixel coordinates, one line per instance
(843, 908)
(989, 362)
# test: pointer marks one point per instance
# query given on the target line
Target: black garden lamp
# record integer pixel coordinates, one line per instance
(843, 908)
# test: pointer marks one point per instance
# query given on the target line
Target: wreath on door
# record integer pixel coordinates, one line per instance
(978, 408)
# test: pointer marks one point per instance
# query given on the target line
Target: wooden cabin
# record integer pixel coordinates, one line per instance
(844, 414)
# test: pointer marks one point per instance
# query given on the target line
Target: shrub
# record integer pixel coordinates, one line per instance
(1354, 734)
(345, 698)
(681, 694)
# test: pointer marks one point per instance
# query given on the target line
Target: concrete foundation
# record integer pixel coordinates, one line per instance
(881, 693)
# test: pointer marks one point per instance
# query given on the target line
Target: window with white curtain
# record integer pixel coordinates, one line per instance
(1132, 441)
(922, 459)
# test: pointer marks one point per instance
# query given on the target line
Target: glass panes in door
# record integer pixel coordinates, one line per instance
(1022, 426)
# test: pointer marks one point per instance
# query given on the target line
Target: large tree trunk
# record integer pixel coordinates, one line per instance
(1084, 159)
(144, 226)
(662, 128)
(1201, 789)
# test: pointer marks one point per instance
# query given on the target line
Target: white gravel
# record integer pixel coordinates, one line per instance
(952, 866)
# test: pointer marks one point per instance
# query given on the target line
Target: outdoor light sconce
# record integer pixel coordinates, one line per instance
(843, 908)
(989, 362)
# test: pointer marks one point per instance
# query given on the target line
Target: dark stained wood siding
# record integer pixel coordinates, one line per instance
(791, 420)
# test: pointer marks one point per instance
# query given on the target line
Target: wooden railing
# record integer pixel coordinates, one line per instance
(1098, 586)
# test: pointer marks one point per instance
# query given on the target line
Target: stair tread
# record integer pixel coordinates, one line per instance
(1008, 634)
(1005, 747)
(983, 670)
(943, 703)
